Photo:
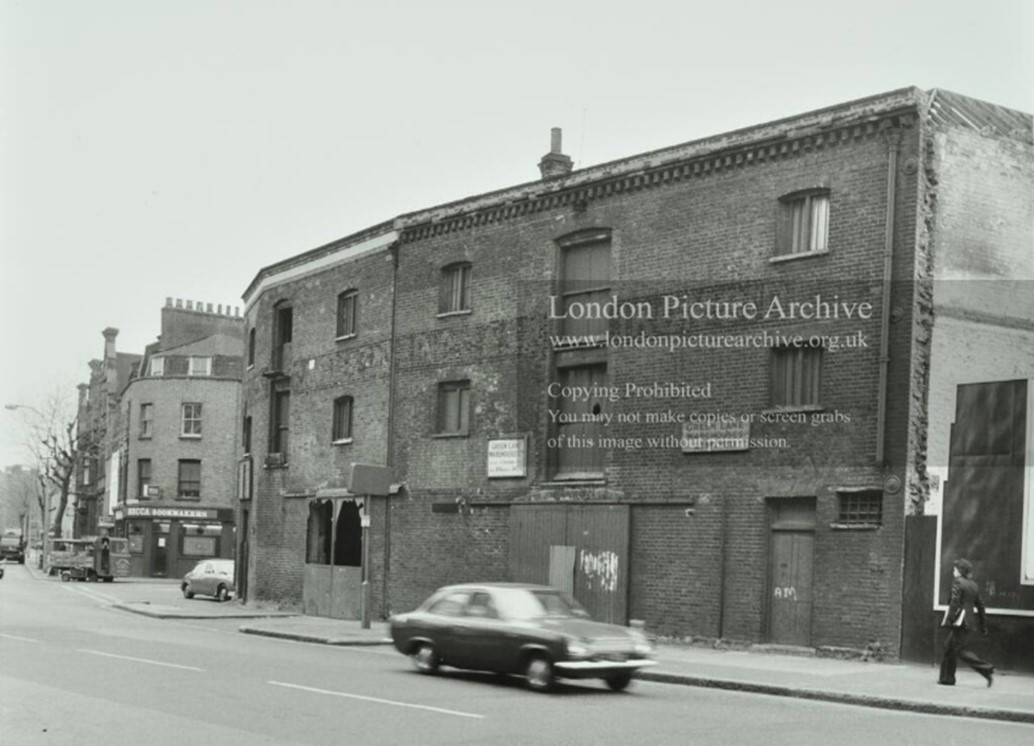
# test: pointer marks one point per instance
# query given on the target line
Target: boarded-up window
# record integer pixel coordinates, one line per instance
(583, 283)
(579, 428)
(454, 407)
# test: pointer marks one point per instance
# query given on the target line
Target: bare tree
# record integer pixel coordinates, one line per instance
(60, 448)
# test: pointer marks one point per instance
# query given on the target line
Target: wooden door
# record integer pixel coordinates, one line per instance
(790, 601)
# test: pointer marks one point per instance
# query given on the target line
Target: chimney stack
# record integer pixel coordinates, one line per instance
(555, 164)
(109, 343)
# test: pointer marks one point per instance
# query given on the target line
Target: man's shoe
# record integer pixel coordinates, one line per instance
(946, 683)
(990, 679)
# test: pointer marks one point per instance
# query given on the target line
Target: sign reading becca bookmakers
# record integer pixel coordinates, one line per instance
(507, 457)
(148, 511)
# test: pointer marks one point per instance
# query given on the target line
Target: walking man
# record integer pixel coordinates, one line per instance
(965, 609)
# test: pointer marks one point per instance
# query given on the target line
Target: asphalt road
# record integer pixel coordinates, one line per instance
(75, 671)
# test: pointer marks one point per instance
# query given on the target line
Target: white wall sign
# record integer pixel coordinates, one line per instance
(507, 457)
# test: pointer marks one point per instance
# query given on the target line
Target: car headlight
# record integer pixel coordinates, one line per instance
(641, 644)
(576, 648)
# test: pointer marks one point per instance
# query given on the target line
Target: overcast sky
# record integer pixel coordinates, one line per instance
(154, 149)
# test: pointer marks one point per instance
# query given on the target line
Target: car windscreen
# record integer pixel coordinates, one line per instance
(534, 604)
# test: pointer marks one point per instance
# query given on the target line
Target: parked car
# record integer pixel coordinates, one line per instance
(211, 577)
(515, 628)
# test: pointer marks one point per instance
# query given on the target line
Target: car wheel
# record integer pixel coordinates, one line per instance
(539, 672)
(619, 682)
(221, 594)
(66, 576)
(186, 593)
(425, 658)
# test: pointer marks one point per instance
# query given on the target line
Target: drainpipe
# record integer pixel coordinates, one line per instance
(893, 137)
(394, 252)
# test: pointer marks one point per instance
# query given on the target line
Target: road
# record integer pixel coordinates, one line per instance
(75, 671)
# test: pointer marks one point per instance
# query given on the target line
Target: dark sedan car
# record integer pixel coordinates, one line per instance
(514, 628)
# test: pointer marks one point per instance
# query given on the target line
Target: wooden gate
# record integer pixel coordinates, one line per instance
(790, 571)
(581, 549)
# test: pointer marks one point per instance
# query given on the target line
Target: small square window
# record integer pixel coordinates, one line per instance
(861, 507)
(454, 407)
(200, 366)
(157, 366)
(347, 305)
(342, 426)
(804, 224)
(191, 420)
(455, 289)
(796, 376)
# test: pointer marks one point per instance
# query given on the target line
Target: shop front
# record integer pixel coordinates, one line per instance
(168, 542)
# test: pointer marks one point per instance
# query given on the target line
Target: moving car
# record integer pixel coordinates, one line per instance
(517, 628)
(12, 546)
(211, 577)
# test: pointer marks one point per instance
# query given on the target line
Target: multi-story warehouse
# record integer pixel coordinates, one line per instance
(180, 414)
(690, 386)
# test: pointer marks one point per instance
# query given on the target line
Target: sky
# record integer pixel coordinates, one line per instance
(155, 149)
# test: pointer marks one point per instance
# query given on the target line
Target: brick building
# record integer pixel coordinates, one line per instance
(97, 479)
(180, 420)
(687, 386)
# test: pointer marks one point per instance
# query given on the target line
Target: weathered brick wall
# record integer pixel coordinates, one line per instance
(216, 448)
(711, 235)
(321, 369)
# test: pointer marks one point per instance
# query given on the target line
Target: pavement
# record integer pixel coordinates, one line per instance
(762, 669)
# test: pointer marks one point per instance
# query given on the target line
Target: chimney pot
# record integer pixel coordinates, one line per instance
(555, 164)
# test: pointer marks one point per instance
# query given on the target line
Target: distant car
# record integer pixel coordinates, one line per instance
(12, 547)
(514, 628)
(211, 577)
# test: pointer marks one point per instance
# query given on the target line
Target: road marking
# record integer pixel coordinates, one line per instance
(140, 660)
(94, 595)
(15, 637)
(379, 701)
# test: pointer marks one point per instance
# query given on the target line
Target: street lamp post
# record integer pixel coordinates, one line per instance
(45, 518)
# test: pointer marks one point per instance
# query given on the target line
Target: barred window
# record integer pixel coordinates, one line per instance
(860, 507)
(796, 376)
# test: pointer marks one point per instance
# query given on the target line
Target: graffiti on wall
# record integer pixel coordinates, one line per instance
(600, 570)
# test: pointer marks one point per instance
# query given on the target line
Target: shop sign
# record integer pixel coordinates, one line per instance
(149, 511)
(507, 457)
